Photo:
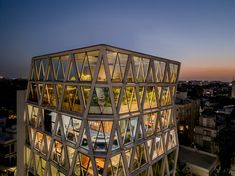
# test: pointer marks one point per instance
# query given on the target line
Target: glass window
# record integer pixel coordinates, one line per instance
(40, 165)
(41, 66)
(100, 134)
(158, 168)
(49, 120)
(141, 68)
(166, 118)
(33, 93)
(33, 74)
(100, 165)
(149, 146)
(130, 77)
(157, 147)
(56, 172)
(128, 128)
(101, 103)
(171, 160)
(49, 97)
(86, 66)
(101, 74)
(86, 165)
(79, 59)
(115, 144)
(84, 142)
(128, 156)
(56, 66)
(58, 153)
(85, 94)
(60, 66)
(171, 139)
(64, 65)
(150, 98)
(129, 100)
(70, 154)
(32, 115)
(71, 127)
(160, 70)
(115, 166)
(149, 123)
(71, 101)
(50, 73)
(140, 157)
(48, 142)
(73, 75)
(166, 97)
(173, 72)
(40, 143)
(27, 152)
(116, 93)
(32, 133)
(117, 65)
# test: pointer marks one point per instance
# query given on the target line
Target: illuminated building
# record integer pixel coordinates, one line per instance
(101, 110)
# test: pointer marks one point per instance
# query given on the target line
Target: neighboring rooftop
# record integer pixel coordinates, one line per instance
(179, 101)
(196, 157)
(208, 112)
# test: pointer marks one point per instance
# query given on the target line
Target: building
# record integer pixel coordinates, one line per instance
(100, 110)
(8, 151)
(210, 124)
(200, 163)
(233, 89)
(186, 113)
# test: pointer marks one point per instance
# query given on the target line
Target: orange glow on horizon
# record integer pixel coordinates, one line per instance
(207, 73)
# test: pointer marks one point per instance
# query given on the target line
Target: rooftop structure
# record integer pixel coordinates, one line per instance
(101, 110)
(200, 163)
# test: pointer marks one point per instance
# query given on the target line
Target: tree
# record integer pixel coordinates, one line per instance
(182, 169)
(226, 143)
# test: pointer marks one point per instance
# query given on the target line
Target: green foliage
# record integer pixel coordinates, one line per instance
(4, 174)
(226, 143)
(182, 169)
(224, 172)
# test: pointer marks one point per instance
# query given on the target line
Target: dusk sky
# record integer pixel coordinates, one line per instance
(198, 33)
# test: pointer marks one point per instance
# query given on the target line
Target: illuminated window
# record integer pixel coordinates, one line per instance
(150, 123)
(100, 134)
(101, 103)
(141, 68)
(117, 65)
(58, 153)
(71, 101)
(49, 96)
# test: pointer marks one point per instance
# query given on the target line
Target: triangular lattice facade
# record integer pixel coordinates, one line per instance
(101, 110)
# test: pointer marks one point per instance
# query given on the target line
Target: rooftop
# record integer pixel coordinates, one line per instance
(196, 157)
(109, 47)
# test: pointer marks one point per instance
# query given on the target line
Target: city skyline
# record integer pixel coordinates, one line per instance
(198, 34)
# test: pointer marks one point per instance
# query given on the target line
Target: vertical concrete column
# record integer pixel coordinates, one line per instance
(20, 132)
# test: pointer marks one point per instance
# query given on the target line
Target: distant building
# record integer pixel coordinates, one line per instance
(233, 89)
(100, 110)
(186, 113)
(200, 163)
(182, 95)
(210, 123)
(8, 150)
(208, 92)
